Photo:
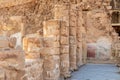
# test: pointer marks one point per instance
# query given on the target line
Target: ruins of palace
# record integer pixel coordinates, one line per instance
(50, 39)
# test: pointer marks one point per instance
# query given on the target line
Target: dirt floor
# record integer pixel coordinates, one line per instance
(97, 72)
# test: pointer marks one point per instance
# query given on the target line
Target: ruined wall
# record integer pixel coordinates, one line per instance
(34, 12)
(99, 28)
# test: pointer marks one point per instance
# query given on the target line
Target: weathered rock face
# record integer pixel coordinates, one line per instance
(12, 64)
(34, 69)
(98, 25)
(51, 54)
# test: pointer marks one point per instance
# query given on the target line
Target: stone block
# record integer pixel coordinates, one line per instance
(34, 69)
(32, 44)
(64, 29)
(64, 49)
(51, 42)
(4, 42)
(32, 55)
(73, 31)
(64, 65)
(73, 59)
(51, 67)
(73, 40)
(49, 51)
(64, 40)
(62, 13)
(79, 56)
(12, 42)
(51, 28)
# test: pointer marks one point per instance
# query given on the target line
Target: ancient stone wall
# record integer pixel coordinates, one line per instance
(60, 45)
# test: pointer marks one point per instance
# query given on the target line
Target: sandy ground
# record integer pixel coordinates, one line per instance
(96, 72)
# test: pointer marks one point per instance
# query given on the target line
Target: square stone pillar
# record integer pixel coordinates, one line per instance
(80, 22)
(73, 38)
(51, 52)
(62, 14)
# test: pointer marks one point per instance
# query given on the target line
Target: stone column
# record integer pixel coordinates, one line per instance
(73, 46)
(62, 13)
(84, 37)
(79, 35)
(51, 52)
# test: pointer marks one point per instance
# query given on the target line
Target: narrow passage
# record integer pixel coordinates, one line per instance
(97, 72)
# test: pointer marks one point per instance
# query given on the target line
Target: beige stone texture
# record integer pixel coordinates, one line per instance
(73, 40)
(64, 49)
(49, 51)
(51, 28)
(64, 65)
(73, 15)
(99, 25)
(32, 43)
(73, 60)
(79, 55)
(64, 40)
(12, 42)
(51, 68)
(51, 42)
(62, 13)
(64, 29)
(2, 74)
(4, 42)
(6, 3)
(73, 31)
(12, 62)
(34, 69)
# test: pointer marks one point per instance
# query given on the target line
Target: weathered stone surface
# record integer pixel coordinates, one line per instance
(73, 31)
(34, 69)
(64, 29)
(4, 42)
(79, 55)
(51, 28)
(51, 42)
(72, 40)
(2, 74)
(73, 60)
(32, 43)
(9, 3)
(64, 40)
(99, 25)
(51, 68)
(12, 62)
(49, 51)
(64, 49)
(64, 65)
(62, 13)
(12, 42)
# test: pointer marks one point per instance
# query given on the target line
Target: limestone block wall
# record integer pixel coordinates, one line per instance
(64, 50)
(79, 31)
(34, 69)
(73, 37)
(62, 14)
(51, 54)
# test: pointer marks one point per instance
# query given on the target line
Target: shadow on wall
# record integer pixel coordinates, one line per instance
(99, 50)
